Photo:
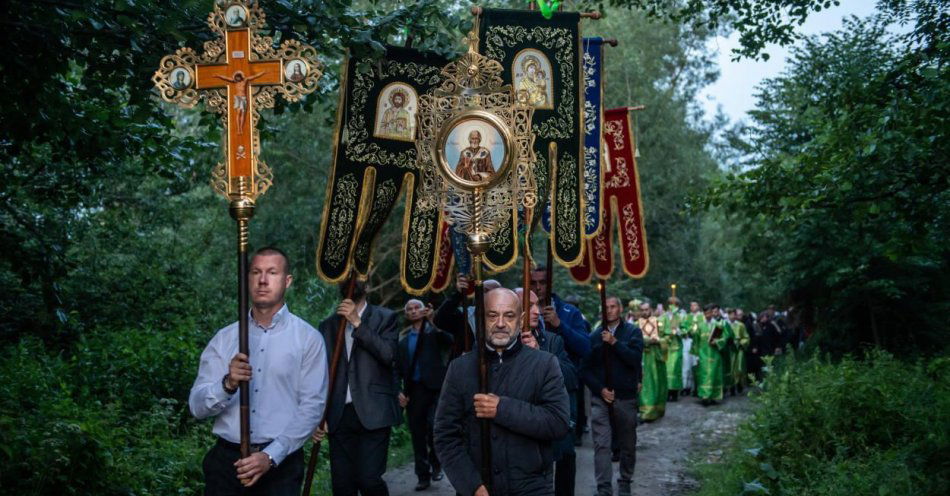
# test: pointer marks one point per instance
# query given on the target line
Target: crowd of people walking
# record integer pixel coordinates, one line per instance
(551, 377)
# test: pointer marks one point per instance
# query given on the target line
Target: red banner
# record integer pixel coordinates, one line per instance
(445, 261)
(621, 200)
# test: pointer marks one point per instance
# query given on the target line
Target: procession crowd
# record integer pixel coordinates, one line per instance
(550, 377)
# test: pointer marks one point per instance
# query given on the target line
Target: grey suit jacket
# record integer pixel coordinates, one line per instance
(369, 372)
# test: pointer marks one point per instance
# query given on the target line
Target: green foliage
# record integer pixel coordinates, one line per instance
(758, 22)
(872, 426)
(845, 194)
(62, 436)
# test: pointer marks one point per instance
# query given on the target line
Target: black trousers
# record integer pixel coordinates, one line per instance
(421, 413)
(581, 414)
(358, 457)
(221, 475)
(565, 474)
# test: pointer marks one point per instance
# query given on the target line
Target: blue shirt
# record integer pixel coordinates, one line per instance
(288, 384)
(413, 339)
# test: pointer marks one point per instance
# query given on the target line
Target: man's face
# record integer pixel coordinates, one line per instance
(694, 307)
(645, 311)
(534, 309)
(414, 312)
(474, 139)
(739, 314)
(539, 284)
(502, 317)
(268, 279)
(712, 313)
(732, 315)
(398, 101)
(613, 309)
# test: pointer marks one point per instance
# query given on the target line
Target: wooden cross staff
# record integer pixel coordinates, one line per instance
(239, 72)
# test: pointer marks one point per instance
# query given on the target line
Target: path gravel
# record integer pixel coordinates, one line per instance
(665, 449)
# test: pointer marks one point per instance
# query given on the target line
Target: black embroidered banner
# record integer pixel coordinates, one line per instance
(542, 61)
(374, 159)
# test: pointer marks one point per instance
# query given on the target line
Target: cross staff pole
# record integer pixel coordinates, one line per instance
(477, 245)
(608, 382)
(241, 210)
(338, 344)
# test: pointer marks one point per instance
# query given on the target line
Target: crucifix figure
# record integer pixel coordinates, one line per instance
(239, 94)
(233, 75)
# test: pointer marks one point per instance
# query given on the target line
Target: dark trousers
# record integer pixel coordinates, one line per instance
(421, 413)
(581, 414)
(221, 475)
(358, 457)
(565, 474)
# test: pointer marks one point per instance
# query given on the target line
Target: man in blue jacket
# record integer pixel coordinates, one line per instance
(565, 320)
(612, 371)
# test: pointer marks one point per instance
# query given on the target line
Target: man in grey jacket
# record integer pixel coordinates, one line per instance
(528, 407)
(363, 404)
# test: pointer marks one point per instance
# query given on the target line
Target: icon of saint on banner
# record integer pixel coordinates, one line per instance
(532, 79)
(396, 112)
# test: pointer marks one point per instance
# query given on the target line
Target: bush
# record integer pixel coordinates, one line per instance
(873, 426)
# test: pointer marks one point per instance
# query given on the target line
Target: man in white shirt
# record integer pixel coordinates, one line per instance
(287, 374)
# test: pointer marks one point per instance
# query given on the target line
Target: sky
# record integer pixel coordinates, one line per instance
(734, 90)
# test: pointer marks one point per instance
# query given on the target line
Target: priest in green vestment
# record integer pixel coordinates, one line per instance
(670, 323)
(693, 320)
(740, 345)
(728, 379)
(711, 337)
(653, 394)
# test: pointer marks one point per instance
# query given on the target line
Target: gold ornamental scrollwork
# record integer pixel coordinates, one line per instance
(476, 189)
(239, 73)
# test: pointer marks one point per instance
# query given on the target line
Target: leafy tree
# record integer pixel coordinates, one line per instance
(845, 194)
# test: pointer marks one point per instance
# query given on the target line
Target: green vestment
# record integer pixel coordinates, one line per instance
(709, 371)
(670, 327)
(653, 394)
(740, 343)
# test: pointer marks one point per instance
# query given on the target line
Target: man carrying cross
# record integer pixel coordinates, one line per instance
(287, 372)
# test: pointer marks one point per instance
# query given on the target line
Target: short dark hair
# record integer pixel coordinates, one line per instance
(359, 287)
(273, 250)
(539, 268)
(711, 306)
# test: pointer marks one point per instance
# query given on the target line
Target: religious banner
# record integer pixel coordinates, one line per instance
(593, 117)
(446, 260)
(541, 59)
(621, 200)
(374, 161)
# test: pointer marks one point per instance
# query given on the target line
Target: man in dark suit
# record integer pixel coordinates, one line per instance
(612, 371)
(363, 405)
(565, 458)
(420, 365)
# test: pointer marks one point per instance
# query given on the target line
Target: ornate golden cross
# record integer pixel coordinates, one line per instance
(238, 74)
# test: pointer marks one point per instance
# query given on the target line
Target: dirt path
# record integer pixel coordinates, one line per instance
(665, 449)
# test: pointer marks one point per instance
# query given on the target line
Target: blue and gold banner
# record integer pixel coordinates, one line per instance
(592, 68)
(374, 161)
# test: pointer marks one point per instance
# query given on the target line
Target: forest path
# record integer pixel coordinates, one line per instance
(665, 450)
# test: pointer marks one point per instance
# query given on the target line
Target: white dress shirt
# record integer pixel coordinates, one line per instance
(288, 384)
